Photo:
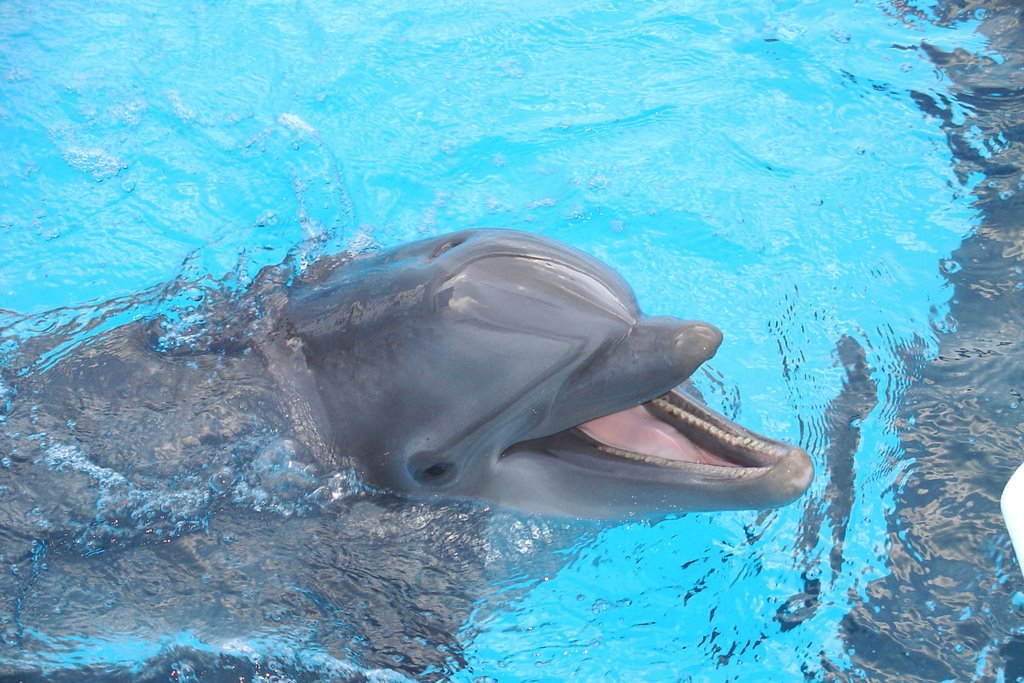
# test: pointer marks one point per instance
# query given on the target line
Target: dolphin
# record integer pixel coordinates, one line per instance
(197, 452)
(507, 367)
(489, 364)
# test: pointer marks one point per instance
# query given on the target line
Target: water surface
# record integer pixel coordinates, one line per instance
(834, 184)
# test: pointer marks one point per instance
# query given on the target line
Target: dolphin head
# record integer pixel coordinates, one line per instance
(509, 367)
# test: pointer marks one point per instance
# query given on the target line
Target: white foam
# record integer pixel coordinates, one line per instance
(296, 124)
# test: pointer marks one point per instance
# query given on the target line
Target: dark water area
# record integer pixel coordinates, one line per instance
(952, 607)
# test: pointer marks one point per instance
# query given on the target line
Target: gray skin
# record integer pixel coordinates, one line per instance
(461, 365)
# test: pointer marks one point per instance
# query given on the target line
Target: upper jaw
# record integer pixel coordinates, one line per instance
(728, 441)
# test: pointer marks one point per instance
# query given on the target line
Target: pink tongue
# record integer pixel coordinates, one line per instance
(638, 431)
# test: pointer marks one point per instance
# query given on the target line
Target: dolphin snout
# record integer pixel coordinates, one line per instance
(696, 342)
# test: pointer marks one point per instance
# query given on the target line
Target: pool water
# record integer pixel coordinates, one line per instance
(836, 185)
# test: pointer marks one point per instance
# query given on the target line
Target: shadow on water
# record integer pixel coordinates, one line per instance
(950, 609)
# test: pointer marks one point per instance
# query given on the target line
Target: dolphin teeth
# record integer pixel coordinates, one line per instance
(735, 473)
(735, 440)
(738, 450)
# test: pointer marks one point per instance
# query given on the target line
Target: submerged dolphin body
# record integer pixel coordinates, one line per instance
(507, 367)
(161, 478)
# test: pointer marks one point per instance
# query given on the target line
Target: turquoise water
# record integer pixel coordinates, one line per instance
(767, 166)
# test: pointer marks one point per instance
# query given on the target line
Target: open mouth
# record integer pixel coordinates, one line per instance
(674, 430)
(670, 453)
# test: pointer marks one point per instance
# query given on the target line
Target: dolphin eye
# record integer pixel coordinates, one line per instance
(437, 470)
(435, 473)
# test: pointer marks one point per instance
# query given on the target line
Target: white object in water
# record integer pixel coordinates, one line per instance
(1012, 504)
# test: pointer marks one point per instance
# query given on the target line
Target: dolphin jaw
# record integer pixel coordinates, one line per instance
(714, 447)
(727, 441)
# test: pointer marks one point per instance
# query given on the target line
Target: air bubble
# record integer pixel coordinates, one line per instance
(949, 266)
(221, 480)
